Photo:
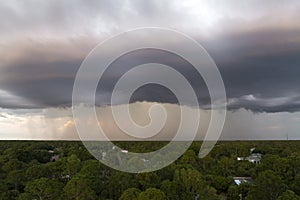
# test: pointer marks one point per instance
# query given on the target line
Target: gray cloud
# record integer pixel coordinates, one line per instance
(274, 104)
(256, 48)
(3, 116)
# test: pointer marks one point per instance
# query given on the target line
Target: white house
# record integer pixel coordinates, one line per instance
(240, 180)
(254, 158)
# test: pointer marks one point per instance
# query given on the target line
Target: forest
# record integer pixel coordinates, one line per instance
(233, 170)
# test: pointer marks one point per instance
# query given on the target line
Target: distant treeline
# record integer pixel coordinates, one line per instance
(66, 170)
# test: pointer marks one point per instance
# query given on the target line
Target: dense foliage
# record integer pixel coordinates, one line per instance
(66, 170)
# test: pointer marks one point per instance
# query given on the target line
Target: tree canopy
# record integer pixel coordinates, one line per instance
(65, 170)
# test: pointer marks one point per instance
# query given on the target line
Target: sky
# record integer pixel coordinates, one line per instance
(255, 45)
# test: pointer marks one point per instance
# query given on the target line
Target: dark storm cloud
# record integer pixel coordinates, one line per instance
(264, 63)
(266, 75)
(38, 73)
(257, 57)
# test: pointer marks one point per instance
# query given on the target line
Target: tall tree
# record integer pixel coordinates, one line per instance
(152, 194)
(148, 180)
(169, 188)
(43, 189)
(233, 193)
(77, 189)
(73, 165)
(268, 186)
(130, 194)
(288, 195)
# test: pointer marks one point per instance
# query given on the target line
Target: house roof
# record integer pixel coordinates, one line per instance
(253, 158)
(240, 180)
